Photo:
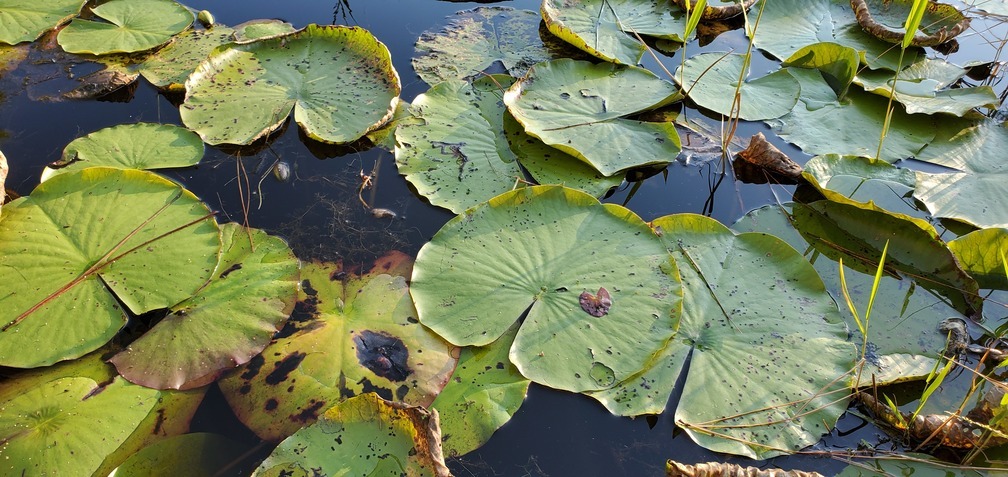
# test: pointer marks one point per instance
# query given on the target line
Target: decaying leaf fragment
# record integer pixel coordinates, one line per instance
(951, 431)
(762, 162)
(719, 469)
(596, 305)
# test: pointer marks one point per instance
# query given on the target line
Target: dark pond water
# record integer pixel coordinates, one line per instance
(318, 211)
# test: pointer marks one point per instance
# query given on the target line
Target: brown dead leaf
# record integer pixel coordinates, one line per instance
(762, 162)
(719, 469)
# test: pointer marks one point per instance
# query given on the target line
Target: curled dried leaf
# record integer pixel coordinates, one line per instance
(596, 305)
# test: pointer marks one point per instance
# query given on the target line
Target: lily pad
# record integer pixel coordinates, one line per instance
(581, 109)
(75, 248)
(530, 253)
(787, 26)
(974, 194)
(822, 123)
(862, 180)
(364, 435)
(200, 454)
(605, 28)
(226, 323)
(484, 392)
(476, 39)
(769, 359)
(980, 254)
(169, 67)
(97, 441)
(453, 149)
(903, 338)
(839, 64)
(130, 26)
(130, 146)
(923, 88)
(339, 81)
(885, 20)
(258, 29)
(26, 21)
(710, 80)
(349, 335)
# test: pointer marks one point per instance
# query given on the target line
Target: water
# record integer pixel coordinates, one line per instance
(320, 213)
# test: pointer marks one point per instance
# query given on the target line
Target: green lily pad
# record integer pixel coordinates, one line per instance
(476, 39)
(581, 109)
(169, 67)
(903, 339)
(482, 395)
(75, 248)
(170, 415)
(787, 26)
(130, 26)
(339, 81)
(130, 146)
(980, 254)
(87, 424)
(768, 352)
(200, 454)
(384, 137)
(604, 28)
(547, 253)
(26, 21)
(838, 63)
(226, 323)
(863, 180)
(709, 79)
(364, 435)
(821, 123)
(975, 194)
(258, 29)
(923, 88)
(453, 149)
(553, 166)
(349, 335)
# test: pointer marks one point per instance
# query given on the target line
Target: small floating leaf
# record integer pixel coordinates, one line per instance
(338, 81)
(132, 25)
(529, 252)
(364, 435)
(130, 146)
(257, 29)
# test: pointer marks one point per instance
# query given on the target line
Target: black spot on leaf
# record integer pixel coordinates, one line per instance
(283, 368)
(383, 354)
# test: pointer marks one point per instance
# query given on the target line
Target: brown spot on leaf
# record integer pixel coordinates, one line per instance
(596, 305)
(310, 413)
(271, 404)
(283, 368)
(384, 354)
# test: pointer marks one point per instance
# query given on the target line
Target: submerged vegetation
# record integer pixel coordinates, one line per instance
(125, 297)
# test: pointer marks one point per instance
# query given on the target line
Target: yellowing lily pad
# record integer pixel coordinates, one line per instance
(349, 335)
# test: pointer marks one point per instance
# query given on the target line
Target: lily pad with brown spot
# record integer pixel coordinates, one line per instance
(349, 335)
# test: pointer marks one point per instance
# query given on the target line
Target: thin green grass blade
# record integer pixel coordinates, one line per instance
(913, 21)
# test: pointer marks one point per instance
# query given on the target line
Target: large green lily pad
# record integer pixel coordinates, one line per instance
(822, 123)
(580, 108)
(130, 146)
(710, 80)
(25, 21)
(769, 359)
(364, 435)
(903, 338)
(130, 26)
(349, 335)
(476, 39)
(787, 26)
(484, 392)
(605, 28)
(854, 179)
(94, 435)
(923, 87)
(226, 323)
(83, 240)
(453, 149)
(169, 67)
(550, 254)
(975, 194)
(339, 81)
